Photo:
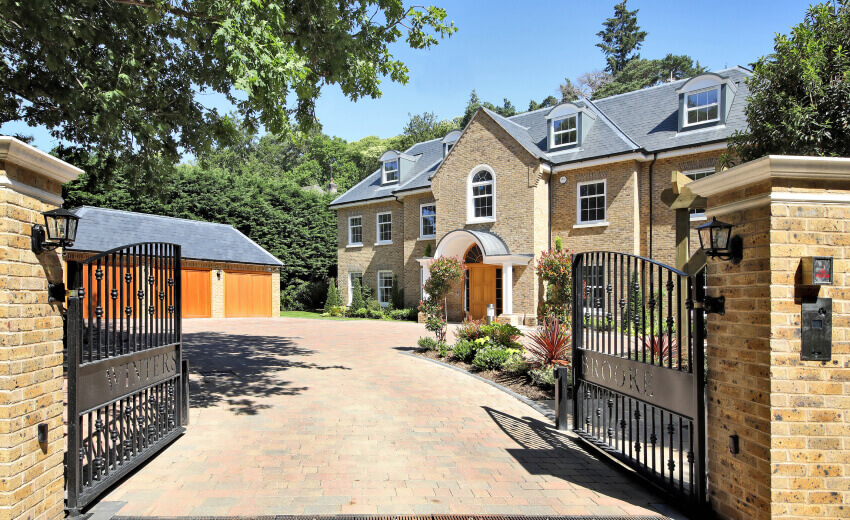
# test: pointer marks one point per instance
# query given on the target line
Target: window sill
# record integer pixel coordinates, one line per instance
(481, 221)
(354, 245)
(384, 243)
(591, 225)
(698, 218)
(428, 237)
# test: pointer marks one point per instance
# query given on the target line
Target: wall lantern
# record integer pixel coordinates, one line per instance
(716, 240)
(60, 226)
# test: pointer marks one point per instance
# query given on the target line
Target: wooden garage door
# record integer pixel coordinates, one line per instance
(247, 294)
(197, 293)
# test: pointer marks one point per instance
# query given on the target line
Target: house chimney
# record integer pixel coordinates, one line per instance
(332, 187)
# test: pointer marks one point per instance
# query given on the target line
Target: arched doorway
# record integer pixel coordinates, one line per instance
(479, 284)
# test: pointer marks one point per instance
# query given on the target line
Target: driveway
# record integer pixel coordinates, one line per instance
(299, 416)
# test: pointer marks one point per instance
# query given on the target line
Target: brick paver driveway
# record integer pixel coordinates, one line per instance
(304, 416)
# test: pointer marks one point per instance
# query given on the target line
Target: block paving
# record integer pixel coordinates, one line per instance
(315, 417)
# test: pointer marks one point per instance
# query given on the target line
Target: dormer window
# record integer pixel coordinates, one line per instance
(569, 124)
(391, 171)
(565, 131)
(704, 101)
(703, 106)
(449, 141)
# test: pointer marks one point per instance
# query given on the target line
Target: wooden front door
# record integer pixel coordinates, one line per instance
(247, 294)
(482, 289)
(196, 293)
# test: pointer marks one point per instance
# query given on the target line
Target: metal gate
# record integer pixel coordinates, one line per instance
(126, 395)
(638, 354)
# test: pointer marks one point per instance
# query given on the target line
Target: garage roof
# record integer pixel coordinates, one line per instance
(102, 229)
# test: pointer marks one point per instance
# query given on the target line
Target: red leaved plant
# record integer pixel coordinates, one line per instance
(551, 343)
(663, 349)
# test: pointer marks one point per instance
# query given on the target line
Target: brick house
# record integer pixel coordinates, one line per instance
(498, 192)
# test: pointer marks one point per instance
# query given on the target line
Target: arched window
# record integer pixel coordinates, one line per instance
(482, 200)
(473, 255)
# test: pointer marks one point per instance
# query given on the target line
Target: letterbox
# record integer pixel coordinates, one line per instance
(816, 330)
(817, 270)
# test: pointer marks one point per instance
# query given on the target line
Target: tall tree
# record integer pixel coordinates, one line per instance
(642, 73)
(800, 94)
(119, 79)
(621, 38)
(585, 86)
(424, 127)
(507, 109)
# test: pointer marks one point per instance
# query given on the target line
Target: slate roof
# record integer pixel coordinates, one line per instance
(644, 120)
(102, 229)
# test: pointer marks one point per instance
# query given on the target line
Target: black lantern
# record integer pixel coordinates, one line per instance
(59, 230)
(716, 240)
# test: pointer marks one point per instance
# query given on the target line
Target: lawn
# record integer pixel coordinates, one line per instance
(313, 316)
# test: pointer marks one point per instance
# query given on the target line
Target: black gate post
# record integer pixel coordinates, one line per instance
(73, 470)
(578, 324)
(699, 386)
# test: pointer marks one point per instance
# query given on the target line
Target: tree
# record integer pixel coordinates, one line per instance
(396, 294)
(799, 100)
(424, 127)
(356, 296)
(444, 273)
(643, 73)
(119, 79)
(548, 101)
(333, 296)
(621, 38)
(586, 85)
(507, 109)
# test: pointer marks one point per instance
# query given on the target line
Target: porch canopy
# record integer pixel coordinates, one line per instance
(494, 249)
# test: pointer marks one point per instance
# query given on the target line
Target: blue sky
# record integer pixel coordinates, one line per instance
(523, 50)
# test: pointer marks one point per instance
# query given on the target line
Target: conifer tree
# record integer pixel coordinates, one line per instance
(333, 296)
(621, 38)
(356, 296)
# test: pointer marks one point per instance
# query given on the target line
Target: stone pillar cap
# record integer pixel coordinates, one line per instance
(31, 158)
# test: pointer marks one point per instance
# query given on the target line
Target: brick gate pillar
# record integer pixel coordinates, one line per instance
(31, 473)
(792, 417)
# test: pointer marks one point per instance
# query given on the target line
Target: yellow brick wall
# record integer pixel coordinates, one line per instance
(370, 258)
(31, 475)
(791, 415)
(414, 248)
(520, 185)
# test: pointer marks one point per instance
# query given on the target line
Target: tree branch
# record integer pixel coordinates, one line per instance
(169, 9)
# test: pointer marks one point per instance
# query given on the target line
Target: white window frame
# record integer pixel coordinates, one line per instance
(422, 234)
(385, 171)
(689, 110)
(604, 183)
(384, 303)
(378, 240)
(352, 243)
(698, 215)
(351, 276)
(470, 207)
(600, 274)
(447, 147)
(559, 132)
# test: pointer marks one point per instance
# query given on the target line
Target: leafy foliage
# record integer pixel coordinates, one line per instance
(621, 38)
(119, 79)
(427, 343)
(356, 296)
(491, 358)
(466, 350)
(503, 335)
(555, 268)
(800, 94)
(332, 300)
(543, 376)
(642, 73)
(424, 127)
(515, 364)
(396, 294)
(507, 109)
(550, 342)
(664, 349)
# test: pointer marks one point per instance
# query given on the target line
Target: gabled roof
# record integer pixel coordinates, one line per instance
(102, 229)
(644, 120)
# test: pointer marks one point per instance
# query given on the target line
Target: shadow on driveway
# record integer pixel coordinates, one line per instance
(238, 369)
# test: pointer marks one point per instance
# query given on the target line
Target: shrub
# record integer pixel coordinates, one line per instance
(443, 349)
(491, 358)
(465, 350)
(332, 299)
(396, 294)
(543, 376)
(503, 334)
(374, 305)
(663, 349)
(556, 269)
(338, 311)
(550, 342)
(356, 296)
(515, 364)
(374, 314)
(427, 343)
(403, 314)
(358, 313)
(469, 330)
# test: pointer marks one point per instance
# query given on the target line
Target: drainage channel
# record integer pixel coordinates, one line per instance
(401, 517)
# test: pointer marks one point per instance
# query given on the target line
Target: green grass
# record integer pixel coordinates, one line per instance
(313, 316)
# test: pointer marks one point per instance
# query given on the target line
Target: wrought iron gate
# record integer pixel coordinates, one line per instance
(638, 354)
(126, 395)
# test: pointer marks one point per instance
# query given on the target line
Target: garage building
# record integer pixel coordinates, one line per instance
(225, 273)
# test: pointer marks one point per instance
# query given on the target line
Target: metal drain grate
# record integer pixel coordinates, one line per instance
(217, 373)
(401, 517)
